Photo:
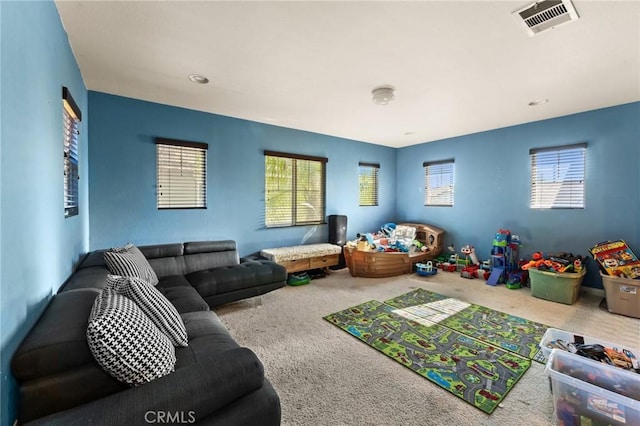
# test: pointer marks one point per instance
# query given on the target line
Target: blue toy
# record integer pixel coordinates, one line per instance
(504, 257)
(426, 269)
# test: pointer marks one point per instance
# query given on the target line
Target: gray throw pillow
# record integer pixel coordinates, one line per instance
(153, 303)
(128, 261)
(125, 342)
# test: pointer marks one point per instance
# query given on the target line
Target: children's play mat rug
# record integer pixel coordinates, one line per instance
(474, 352)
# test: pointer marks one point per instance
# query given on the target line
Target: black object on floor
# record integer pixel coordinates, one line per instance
(316, 273)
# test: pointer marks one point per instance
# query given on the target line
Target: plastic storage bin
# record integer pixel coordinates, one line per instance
(623, 295)
(555, 286)
(590, 392)
(553, 338)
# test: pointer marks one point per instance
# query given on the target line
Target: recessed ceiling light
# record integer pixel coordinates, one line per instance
(538, 102)
(197, 78)
(409, 133)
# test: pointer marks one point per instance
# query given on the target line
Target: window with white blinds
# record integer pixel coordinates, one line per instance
(368, 180)
(294, 189)
(439, 183)
(71, 117)
(182, 174)
(557, 177)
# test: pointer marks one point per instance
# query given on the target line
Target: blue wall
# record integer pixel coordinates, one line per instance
(122, 155)
(38, 245)
(492, 181)
(492, 185)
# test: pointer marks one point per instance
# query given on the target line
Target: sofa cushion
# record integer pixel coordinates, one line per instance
(194, 394)
(94, 277)
(162, 250)
(173, 281)
(225, 279)
(184, 299)
(194, 247)
(202, 255)
(153, 303)
(128, 261)
(125, 342)
(62, 391)
(207, 325)
(58, 342)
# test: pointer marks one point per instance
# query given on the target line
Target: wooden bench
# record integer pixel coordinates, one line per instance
(304, 257)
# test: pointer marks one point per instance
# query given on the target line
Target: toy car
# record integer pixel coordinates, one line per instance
(426, 269)
(619, 359)
(594, 351)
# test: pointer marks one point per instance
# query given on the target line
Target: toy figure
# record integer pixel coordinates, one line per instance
(470, 254)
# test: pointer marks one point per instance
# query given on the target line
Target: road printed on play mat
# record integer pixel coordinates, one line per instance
(478, 372)
(507, 331)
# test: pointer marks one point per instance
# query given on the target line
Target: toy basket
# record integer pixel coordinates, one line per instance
(592, 391)
(562, 339)
(623, 295)
(561, 287)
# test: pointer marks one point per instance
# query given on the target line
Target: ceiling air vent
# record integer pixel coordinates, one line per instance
(546, 14)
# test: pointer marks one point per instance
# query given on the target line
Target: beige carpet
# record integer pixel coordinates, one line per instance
(326, 377)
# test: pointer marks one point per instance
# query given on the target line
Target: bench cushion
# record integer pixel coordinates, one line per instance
(283, 254)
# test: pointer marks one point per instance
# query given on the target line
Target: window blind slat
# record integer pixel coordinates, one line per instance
(70, 124)
(557, 177)
(439, 183)
(368, 181)
(181, 174)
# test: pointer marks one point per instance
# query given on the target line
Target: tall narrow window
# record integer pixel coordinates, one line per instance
(557, 177)
(368, 179)
(294, 189)
(439, 182)
(182, 174)
(71, 117)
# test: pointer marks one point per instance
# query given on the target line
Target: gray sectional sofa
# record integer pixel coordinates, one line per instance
(215, 381)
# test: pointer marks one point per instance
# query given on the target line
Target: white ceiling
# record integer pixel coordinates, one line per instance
(458, 67)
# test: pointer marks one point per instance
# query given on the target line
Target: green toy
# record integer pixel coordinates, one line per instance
(298, 279)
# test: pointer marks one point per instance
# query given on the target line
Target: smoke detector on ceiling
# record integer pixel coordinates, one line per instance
(382, 95)
(546, 14)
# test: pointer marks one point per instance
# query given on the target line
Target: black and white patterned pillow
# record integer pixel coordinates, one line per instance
(128, 261)
(153, 303)
(125, 342)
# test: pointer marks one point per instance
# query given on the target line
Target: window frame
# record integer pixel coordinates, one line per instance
(187, 151)
(430, 199)
(544, 193)
(370, 199)
(71, 118)
(291, 212)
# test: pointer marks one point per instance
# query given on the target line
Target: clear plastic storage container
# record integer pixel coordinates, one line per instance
(561, 339)
(589, 392)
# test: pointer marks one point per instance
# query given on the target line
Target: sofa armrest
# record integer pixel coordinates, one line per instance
(187, 395)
